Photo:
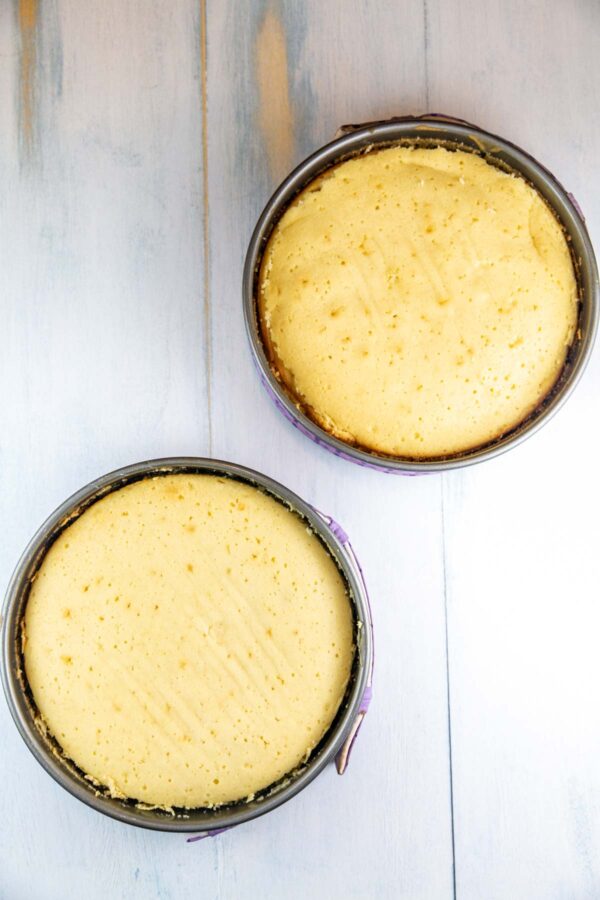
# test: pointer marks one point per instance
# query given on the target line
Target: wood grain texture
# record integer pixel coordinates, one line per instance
(102, 339)
(264, 116)
(139, 142)
(28, 18)
(522, 533)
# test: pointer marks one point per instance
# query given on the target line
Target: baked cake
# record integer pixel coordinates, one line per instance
(418, 301)
(188, 641)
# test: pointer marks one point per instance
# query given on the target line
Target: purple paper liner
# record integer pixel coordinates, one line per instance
(322, 441)
(342, 757)
(207, 834)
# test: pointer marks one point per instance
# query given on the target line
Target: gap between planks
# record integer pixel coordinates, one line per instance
(448, 692)
(206, 218)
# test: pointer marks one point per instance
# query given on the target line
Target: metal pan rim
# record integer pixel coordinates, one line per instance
(430, 128)
(16, 598)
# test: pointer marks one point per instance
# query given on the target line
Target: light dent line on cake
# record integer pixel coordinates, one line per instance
(108, 787)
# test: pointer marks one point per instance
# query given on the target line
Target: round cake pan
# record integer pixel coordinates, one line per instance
(429, 130)
(336, 744)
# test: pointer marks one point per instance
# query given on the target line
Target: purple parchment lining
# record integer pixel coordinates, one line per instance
(207, 834)
(323, 441)
(342, 757)
(573, 200)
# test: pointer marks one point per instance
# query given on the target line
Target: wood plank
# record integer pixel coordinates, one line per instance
(300, 71)
(101, 345)
(522, 533)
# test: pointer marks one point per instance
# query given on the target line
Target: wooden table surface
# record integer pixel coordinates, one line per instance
(139, 140)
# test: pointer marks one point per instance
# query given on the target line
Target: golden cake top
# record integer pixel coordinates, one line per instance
(188, 640)
(418, 302)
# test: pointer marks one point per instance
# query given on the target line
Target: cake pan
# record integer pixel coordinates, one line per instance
(429, 130)
(336, 744)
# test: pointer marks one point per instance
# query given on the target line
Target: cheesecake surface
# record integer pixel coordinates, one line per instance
(417, 302)
(188, 640)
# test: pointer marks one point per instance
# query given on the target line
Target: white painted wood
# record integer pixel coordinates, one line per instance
(383, 830)
(101, 341)
(109, 354)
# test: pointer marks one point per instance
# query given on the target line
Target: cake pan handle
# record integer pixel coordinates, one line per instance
(426, 117)
(206, 834)
(343, 756)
